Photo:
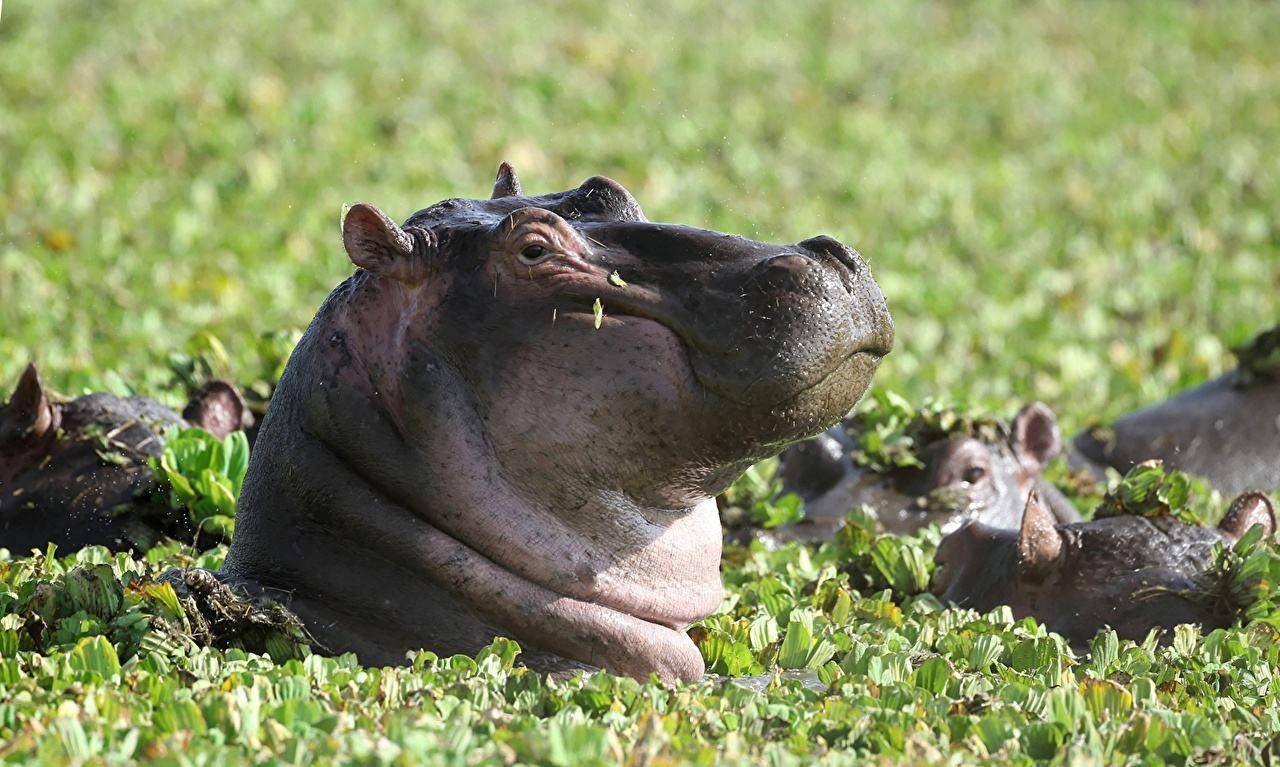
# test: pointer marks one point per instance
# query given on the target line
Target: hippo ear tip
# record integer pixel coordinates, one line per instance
(1036, 436)
(1039, 542)
(219, 408)
(377, 244)
(28, 413)
(507, 182)
(611, 196)
(357, 211)
(1248, 509)
(29, 391)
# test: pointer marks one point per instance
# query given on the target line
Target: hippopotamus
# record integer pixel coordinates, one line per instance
(1132, 573)
(984, 475)
(1226, 430)
(74, 472)
(513, 419)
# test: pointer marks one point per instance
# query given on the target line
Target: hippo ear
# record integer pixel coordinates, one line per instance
(507, 183)
(29, 414)
(1036, 439)
(1246, 511)
(218, 408)
(374, 242)
(1039, 542)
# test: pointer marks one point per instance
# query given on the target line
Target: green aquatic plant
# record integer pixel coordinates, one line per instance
(756, 498)
(1149, 490)
(890, 431)
(204, 475)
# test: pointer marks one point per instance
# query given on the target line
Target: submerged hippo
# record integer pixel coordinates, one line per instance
(74, 472)
(986, 474)
(514, 417)
(1226, 430)
(1132, 573)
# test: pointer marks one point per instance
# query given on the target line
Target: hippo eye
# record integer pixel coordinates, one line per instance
(973, 474)
(534, 254)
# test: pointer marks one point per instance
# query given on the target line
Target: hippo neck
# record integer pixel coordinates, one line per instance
(411, 498)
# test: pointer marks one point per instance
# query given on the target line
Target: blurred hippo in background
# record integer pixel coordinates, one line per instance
(74, 472)
(513, 419)
(1226, 431)
(986, 474)
(1132, 573)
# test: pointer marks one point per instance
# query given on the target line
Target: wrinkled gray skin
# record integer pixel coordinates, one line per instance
(455, 452)
(75, 473)
(1226, 433)
(964, 478)
(1130, 573)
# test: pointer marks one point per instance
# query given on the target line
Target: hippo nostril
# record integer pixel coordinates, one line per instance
(789, 262)
(832, 249)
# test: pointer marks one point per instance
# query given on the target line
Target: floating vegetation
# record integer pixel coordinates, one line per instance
(1148, 490)
(890, 432)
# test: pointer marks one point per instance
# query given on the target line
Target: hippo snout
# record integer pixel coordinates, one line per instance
(836, 254)
(867, 304)
(819, 255)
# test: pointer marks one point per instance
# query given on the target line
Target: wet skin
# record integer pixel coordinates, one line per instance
(964, 478)
(1226, 431)
(1130, 573)
(456, 451)
(74, 473)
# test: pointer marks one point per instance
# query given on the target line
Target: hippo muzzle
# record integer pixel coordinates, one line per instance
(513, 418)
(762, 323)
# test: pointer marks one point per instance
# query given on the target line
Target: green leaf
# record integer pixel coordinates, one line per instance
(1105, 699)
(933, 675)
(763, 631)
(95, 655)
(986, 649)
(797, 644)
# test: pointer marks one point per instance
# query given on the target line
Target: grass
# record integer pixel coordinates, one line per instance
(1071, 204)
(1076, 205)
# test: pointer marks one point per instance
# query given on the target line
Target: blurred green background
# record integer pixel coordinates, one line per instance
(1073, 204)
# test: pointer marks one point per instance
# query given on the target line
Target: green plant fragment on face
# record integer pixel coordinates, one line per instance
(598, 310)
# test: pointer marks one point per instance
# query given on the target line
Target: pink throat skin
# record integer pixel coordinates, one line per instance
(597, 579)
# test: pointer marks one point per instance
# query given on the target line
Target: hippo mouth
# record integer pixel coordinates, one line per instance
(866, 353)
(617, 304)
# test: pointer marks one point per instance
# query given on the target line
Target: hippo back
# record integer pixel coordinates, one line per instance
(89, 484)
(1224, 431)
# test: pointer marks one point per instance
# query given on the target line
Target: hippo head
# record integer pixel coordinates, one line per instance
(549, 390)
(961, 476)
(675, 356)
(1131, 573)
